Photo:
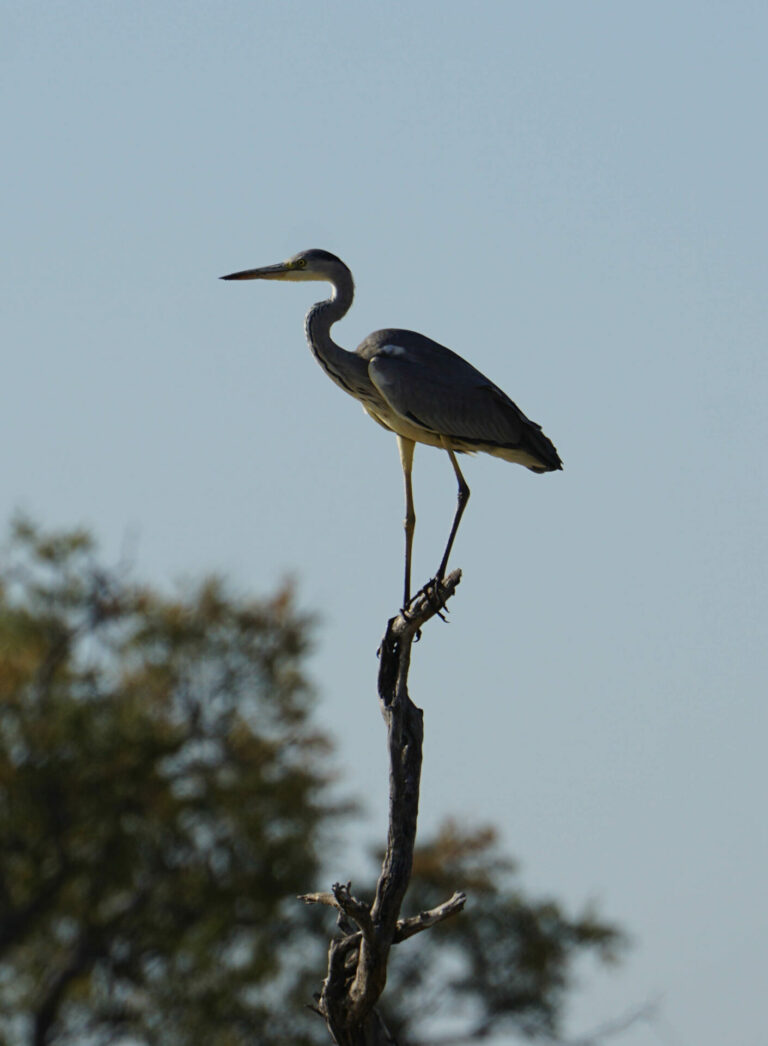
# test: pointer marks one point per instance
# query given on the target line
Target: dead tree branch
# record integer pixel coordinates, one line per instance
(357, 959)
(426, 920)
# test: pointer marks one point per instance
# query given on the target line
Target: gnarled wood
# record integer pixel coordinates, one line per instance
(358, 957)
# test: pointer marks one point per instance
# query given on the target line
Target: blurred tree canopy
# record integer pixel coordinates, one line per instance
(503, 965)
(165, 794)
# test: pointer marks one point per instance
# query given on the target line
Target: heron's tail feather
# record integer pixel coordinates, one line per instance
(544, 449)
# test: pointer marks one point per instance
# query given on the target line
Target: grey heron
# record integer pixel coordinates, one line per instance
(414, 387)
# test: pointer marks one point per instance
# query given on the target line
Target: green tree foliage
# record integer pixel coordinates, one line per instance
(504, 964)
(164, 795)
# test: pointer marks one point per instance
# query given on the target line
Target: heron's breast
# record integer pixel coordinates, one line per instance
(389, 420)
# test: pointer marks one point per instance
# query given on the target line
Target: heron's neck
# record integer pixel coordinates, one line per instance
(345, 368)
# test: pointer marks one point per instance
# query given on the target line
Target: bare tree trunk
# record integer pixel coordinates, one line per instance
(358, 956)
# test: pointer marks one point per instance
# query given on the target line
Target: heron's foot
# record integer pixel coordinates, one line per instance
(432, 591)
(405, 612)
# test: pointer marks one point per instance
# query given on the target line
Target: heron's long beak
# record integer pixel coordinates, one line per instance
(268, 272)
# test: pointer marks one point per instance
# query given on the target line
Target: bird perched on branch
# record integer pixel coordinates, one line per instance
(419, 390)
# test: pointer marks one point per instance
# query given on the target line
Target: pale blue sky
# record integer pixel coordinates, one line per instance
(574, 197)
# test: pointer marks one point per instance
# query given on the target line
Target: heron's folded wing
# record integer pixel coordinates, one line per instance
(448, 396)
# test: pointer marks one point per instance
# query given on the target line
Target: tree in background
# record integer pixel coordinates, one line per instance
(502, 966)
(165, 795)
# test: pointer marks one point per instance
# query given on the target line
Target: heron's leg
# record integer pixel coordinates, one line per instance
(406, 448)
(463, 499)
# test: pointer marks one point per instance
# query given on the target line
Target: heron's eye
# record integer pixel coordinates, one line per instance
(301, 263)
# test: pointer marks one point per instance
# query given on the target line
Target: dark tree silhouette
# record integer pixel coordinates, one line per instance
(164, 792)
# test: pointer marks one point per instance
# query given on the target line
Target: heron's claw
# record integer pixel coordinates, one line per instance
(431, 592)
(405, 612)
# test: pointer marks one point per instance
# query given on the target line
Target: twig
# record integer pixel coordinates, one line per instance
(424, 920)
(405, 927)
(356, 910)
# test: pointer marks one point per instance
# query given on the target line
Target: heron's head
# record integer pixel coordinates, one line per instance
(307, 265)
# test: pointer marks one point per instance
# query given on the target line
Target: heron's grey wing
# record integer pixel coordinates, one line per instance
(444, 394)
